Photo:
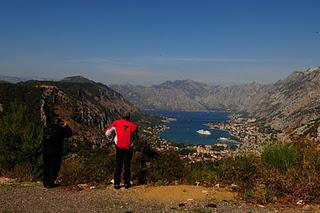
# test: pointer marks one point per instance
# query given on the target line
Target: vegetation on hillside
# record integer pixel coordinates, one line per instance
(20, 143)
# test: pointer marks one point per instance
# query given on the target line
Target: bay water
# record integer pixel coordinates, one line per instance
(184, 129)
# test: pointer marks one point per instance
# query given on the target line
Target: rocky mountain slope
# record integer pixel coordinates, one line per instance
(188, 95)
(89, 106)
(287, 103)
(291, 102)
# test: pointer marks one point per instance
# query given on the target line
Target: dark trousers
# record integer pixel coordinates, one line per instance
(51, 168)
(123, 156)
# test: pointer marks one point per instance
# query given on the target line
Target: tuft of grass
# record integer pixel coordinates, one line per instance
(90, 169)
(281, 156)
(242, 170)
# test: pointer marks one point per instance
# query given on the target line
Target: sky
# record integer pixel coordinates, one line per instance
(148, 42)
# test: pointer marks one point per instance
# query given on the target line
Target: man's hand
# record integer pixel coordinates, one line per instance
(65, 123)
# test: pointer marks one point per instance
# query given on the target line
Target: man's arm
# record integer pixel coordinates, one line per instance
(110, 132)
(67, 132)
(134, 136)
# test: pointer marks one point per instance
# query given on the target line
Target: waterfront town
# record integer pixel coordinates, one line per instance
(246, 132)
(245, 135)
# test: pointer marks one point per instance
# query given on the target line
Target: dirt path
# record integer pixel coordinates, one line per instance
(32, 197)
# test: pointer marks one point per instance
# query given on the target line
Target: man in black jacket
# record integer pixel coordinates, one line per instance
(54, 135)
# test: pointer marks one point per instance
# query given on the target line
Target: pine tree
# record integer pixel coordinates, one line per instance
(20, 140)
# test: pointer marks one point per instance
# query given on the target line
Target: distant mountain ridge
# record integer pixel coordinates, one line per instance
(11, 79)
(285, 104)
(189, 95)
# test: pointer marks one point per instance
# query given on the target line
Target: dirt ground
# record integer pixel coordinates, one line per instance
(32, 197)
(181, 193)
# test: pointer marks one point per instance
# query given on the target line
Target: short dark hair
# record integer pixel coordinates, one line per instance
(126, 115)
(57, 120)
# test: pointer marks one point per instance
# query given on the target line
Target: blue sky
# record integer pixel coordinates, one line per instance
(148, 42)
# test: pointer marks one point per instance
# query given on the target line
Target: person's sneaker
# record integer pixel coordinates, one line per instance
(50, 185)
(127, 186)
(117, 187)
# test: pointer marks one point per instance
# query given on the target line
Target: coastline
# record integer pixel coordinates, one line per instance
(193, 152)
(246, 131)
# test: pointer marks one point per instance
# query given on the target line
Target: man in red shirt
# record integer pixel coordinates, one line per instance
(124, 133)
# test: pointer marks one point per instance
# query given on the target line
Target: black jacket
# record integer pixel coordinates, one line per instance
(53, 139)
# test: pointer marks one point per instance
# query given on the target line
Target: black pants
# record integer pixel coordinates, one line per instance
(123, 156)
(51, 168)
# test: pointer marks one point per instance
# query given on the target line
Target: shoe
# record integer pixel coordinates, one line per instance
(52, 185)
(48, 186)
(127, 186)
(117, 187)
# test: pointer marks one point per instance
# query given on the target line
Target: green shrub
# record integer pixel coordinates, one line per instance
(86, 163)
(202, 172)
(186, 151)
(20, 141)
(143, 155)
(90, 169)
(260, 193)
(281, 156)
(166, 166)
(242, 170)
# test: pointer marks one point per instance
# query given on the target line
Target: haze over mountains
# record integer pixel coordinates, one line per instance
(287, 103)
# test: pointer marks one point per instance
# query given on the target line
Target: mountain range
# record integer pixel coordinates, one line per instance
(285, 104)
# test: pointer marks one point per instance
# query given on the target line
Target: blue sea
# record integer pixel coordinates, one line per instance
(183, 130)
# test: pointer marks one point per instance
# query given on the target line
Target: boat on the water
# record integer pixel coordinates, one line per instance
(223, 139)
(204, 132)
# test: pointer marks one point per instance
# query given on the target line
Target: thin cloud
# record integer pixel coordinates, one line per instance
(157, 60)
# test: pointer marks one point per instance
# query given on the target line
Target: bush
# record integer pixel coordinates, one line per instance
(281, 156)
(143, 155)
(186, 151)
(202, 172)
(90, 169)
(167, 167)
(260, 193)
(20, 142)
(85, 163)
(242, 170)
(301, 180)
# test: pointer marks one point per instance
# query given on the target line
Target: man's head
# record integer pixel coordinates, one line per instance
(126, 115)
(58, 121)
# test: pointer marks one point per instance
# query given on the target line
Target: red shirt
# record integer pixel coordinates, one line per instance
(124, 130)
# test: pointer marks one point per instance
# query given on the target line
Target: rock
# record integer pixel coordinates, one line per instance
(307, 207)
(84, 186)
(4, 180)
(234, 186)
(211, 205)
(300, 202)
(217, 185)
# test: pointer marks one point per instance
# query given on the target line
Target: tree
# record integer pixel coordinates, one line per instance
(20, 140)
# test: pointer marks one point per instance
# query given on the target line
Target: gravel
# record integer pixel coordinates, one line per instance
(35, 198)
